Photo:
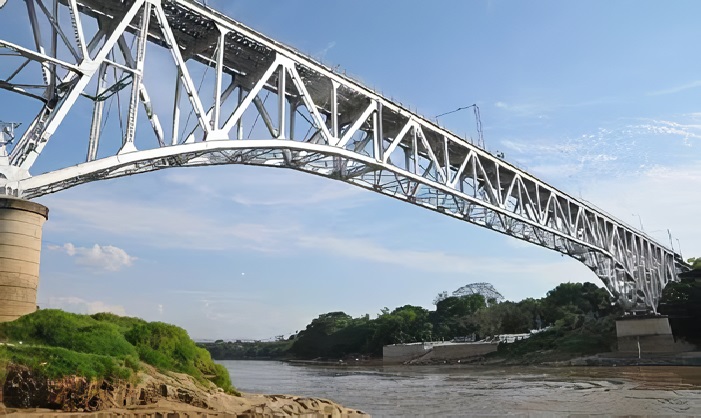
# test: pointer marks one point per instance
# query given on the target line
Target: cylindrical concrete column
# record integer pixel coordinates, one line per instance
(20, 251)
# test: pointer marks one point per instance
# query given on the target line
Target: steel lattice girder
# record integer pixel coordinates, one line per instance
(358, 136)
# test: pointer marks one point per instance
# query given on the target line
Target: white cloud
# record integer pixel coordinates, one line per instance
(267, 188)
(619, 150)
(105, 257)
(82, 306)
(525, 109)
(542, 108)
(663, 197)
(429, 261)
(322, 54)
(665, 127)
(244, 208)
(539, 146)
(166, 227)
(676, 89)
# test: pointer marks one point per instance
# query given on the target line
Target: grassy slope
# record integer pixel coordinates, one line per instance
(562, 342)
(60, 344)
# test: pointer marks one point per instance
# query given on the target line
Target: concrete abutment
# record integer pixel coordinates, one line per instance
(647, 335)
(21, 224)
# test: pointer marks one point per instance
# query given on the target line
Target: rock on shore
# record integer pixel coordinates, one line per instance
(170, 395)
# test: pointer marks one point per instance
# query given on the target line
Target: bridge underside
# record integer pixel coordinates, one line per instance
(227, 83)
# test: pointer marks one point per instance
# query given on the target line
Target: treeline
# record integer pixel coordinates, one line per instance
(248, 350)
(337, 335)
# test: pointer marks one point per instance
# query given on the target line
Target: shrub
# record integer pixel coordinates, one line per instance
(79, 333)
(104, 345)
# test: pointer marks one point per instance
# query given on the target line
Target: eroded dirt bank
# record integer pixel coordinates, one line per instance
(173, 395)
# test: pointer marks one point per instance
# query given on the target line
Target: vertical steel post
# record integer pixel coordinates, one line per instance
(293, 118)
(415, 149)
(379, 136)
(217, 86)
(239, 123)
(54, 42)
(98, 108)
(281, 108)
(334, 110)
(176, 109)
(128, 143)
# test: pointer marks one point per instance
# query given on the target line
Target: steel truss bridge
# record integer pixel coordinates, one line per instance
(198, 84)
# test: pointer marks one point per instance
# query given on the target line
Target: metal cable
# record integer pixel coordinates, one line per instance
(257, 117)
(192, 110)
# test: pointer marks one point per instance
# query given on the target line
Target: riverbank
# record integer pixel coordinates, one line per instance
(155, 393)
(53, 362)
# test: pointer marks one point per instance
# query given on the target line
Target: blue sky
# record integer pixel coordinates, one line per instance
(601, 99)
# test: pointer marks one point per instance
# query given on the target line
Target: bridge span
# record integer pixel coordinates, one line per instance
(196, 84)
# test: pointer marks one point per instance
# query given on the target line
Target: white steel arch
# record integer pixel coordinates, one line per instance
(96, 50)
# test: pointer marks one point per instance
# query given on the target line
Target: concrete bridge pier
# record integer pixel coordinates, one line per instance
(21, 222)
(647, 335)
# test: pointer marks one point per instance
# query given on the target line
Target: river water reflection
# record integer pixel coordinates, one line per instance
(482, 391)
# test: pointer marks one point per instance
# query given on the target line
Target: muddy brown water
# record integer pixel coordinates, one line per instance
(456, 390)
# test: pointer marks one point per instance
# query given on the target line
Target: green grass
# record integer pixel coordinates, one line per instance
(56, 362)
(58, 344)
(562, 342)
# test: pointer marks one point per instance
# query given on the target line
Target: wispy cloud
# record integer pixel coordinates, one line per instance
(541, 109)
(160, 229)
(429, 261)
(665, 127)
(677, 89)
(621, 149)
(166, 227)
(538, 147)
(322, 54)
(82, 306)
(530, 109)
(270, 189)
(663, 196)
(102, 257)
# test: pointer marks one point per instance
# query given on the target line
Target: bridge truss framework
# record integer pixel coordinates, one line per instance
(95, 50)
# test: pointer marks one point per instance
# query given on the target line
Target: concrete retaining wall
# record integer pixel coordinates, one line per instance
(20, 250)
(460, 351)
(399, 353)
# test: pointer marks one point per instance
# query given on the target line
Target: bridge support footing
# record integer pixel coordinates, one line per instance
(20, 251)
(646, 335)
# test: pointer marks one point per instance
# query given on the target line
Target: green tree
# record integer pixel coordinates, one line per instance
(695, 262)
(453, 316)
(314, 340)
(455, 306)
(405, 324)
(576, 298)
(682, 302)
(503, 318)
(439, 297)
(334, 335)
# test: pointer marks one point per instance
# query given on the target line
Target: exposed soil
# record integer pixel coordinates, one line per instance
(26, 393)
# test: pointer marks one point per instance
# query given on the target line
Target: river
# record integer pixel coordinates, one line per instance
(480, 390)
